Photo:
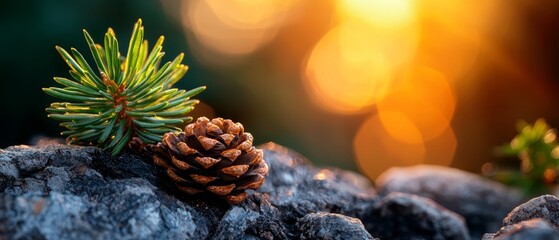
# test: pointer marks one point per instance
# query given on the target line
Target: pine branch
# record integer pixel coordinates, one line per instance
(123, 97)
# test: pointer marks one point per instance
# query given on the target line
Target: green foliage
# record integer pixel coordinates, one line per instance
(537, 149)
(130, 97)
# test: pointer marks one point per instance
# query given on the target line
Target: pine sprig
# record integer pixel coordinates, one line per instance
(537, 152)
(130, 96)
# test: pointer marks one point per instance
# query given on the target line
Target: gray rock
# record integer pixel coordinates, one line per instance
(60, 196)
(8, 172)
(331, 226)
(488, 236)
(55, 191)
(483, 203)
(255, 218)
(408, 216)
(295, 186)
(545, 207)
(533, 229)
(537, 218)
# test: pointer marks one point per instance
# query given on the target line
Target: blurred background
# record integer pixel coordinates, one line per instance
(358, 84)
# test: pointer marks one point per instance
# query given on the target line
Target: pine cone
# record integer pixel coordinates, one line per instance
(214, 156)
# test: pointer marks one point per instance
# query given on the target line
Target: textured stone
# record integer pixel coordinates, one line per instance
(331, 226)
(488, 236)
(545, 207)
(483, 203)
(408, 216)
(533, 229)
(255, 218)
(55, 191)
(297, 187)
(536, 219)
(68, 199)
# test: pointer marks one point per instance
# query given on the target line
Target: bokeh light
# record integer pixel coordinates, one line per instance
(383, 13)
(376, 149)
(351, 67)
(450, 34)
(423, 98)
(345, 72)
(232, 28)
(394, 55)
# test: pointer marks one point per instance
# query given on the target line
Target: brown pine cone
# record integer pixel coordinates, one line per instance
(214, 156)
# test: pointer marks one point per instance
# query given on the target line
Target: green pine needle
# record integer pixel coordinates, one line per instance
(129, 97)
(537, 149)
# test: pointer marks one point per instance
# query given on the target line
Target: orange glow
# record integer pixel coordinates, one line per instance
(236, 27)
(400, 126)
(441, 150)
(386, 13)
(390, 26)
(377, 150)
(450, 35)
(351, 66)
(250, 14)
(341, 75)
(423, 99)
(398, 58)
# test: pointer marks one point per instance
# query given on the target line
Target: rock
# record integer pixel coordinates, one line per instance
(63, 198)
(533, 229)
(331, 226)
(545, 207)
(297, 187)
(56, 191)
(408, 216)
(483, 203)
(255, 218)
(535, 219)
(488, 236)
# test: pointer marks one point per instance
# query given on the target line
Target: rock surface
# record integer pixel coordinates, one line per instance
(537, 229)
(56, 194)
(536, 219)
(483, 203)
(323, 226)
(408, 216)
(56, 191)
(545, 207)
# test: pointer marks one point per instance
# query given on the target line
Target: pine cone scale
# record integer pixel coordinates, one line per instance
(236, 199)
(221, 190)
(226, 138)
(206, 162)
(180, 164)
(209, 143)
(251, 183)
(236, 170)
(231, 154)
(184, 149)
(201, 179)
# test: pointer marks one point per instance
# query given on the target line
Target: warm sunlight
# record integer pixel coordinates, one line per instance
(424, 98)
(376, 149)
(234, 28)
(385, 13)
(345, 71)
(352, 66)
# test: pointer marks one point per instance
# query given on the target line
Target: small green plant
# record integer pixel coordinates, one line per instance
(130, 97)
(537, 150)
